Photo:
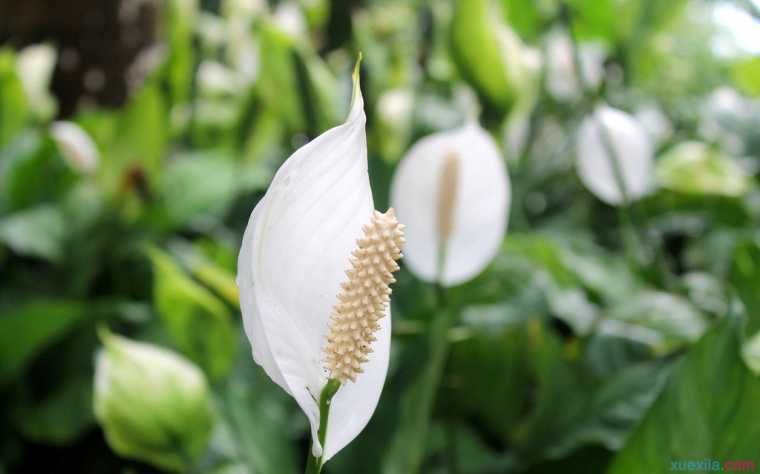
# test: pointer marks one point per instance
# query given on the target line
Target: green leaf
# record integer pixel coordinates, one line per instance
(14, 112)
(253, 415)
(197, 188)
(27, 328)
(199, 323)
(37, 232)
(707, 410)
(32, 172)
(407, 448)
(62, 416)
(745, 278)
(746, 74)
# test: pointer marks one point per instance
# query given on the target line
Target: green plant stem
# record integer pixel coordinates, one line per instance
(314, 464)
(633, 242)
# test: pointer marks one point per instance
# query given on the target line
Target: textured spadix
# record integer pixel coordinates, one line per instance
(293, 259)
(364, 297)
(452, 192)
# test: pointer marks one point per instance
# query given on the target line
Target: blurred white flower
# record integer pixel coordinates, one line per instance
(452, 191)
(75, 145)
(655, 122)
(631, 146)
(301, 285)
(152, 403)
(289, 17)
(724, 114)
(395, 106)
(214, 78)
(561, 76)
(35, 66)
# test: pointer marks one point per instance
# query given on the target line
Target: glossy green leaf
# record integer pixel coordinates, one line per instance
(706, 410)
(197, 321)
(27, 328)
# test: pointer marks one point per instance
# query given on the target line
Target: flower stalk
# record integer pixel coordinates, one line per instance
(314, 463)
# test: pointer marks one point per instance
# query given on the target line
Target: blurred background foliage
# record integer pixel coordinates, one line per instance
(575, 351)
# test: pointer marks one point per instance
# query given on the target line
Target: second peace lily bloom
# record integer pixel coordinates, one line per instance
(314, 272)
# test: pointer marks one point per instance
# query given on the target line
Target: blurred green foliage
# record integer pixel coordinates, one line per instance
(570, 353)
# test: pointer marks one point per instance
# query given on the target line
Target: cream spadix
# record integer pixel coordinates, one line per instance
(304, 296)
(452, 191)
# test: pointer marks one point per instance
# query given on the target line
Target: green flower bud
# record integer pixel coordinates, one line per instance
(152, 403)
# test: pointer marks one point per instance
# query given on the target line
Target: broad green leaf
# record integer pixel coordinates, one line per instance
(196, 188)
(415, 405)
(661, 320)
(253, 419)
(31, 172)
(691, 419)
(198, 322)
(62, 416)
(27, 328)
(36, 232)
(695, 168)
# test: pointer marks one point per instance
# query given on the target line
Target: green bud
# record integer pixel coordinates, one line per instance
(489, 54)
(696, 168)
(152, 403)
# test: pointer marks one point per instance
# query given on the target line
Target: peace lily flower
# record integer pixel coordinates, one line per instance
(75, 145)
(609, 130)
(35, 66)
(562, 79)
(452, 190)
(153, 404)
(314, 272)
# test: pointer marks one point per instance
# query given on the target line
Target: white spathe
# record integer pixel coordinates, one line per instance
(633, 150)
(562, 79)
(294, 255)
(480, 205)
(75, 145)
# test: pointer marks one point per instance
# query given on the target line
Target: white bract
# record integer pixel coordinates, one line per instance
(313, 273)
(562, 79)
(75, 145)
(35, 66)
(452, 191)
(631, 146)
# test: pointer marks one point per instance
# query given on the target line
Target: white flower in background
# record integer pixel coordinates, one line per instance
(394, 107)
(561, 76)
(452, 191)
(632, 149)
(655, 122)
(314, 274)
(214, 79)
(695, 168)
(289, 17)
(153, 404)
(75, 145)
(35, 66)
(724, 115)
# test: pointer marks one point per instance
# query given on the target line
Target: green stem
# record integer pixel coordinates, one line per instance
(314, 464)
